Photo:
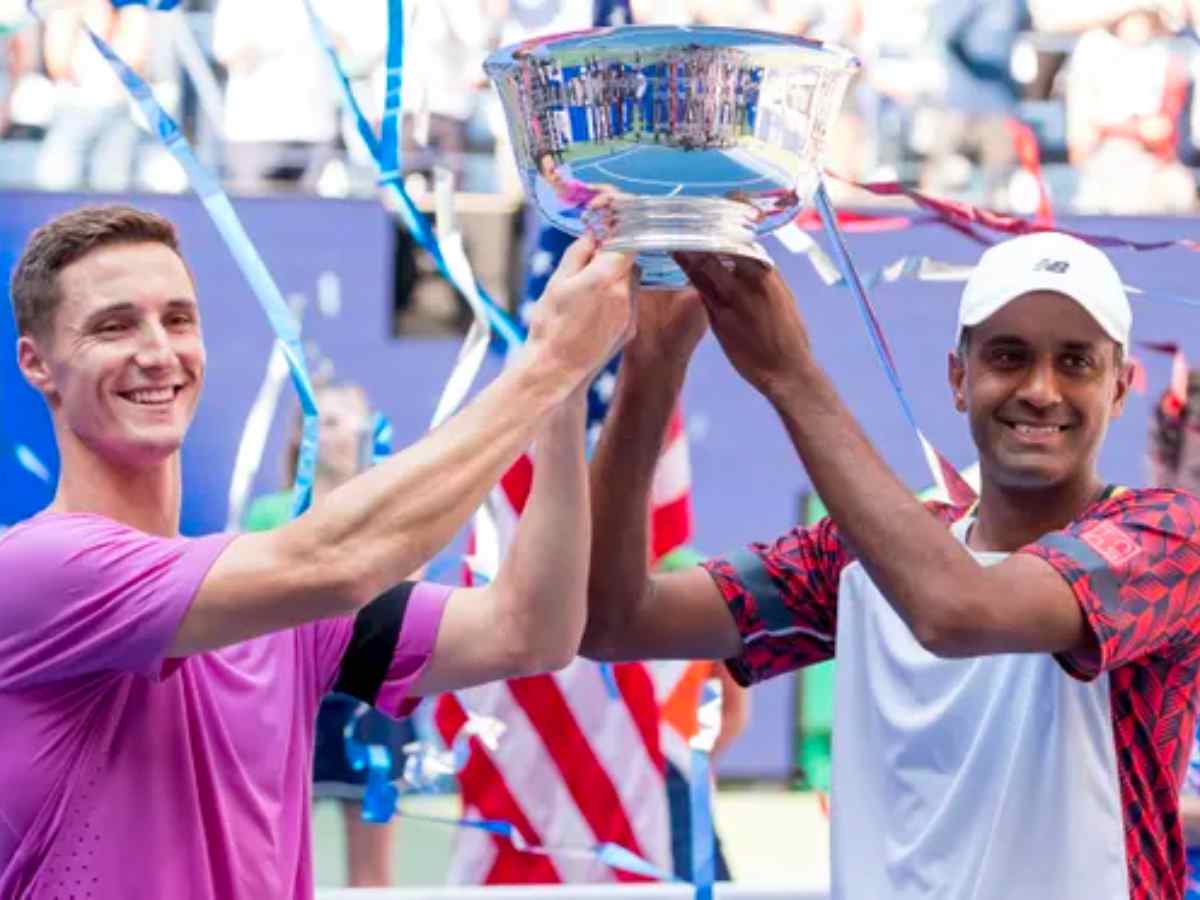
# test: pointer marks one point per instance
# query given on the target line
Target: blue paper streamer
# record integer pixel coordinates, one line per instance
(382, 800)
(381, 439)
(389, 130)
(703, 843)
(30, 463)
(609, 676)
(613, 855)
(850, 275)
(385, 150)
(381, 796)
(266, 291)
(708, 726)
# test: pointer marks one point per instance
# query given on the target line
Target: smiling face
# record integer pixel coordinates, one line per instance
(1040, 381)
(122, 363)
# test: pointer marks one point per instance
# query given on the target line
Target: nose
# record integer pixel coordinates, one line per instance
(1039, 388)
(153, 349)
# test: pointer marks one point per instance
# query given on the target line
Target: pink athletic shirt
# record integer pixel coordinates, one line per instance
(127, 775)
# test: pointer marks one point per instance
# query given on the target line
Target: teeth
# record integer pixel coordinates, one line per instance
(1038, 430)
(151, 395)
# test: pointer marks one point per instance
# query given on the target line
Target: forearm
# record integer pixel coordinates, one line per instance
(542, 582)
(622, 474)
(927, 576)
(375, 529)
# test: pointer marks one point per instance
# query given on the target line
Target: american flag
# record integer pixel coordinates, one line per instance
(576, 765)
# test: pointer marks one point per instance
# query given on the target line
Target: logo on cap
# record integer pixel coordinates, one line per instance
(1058, 266)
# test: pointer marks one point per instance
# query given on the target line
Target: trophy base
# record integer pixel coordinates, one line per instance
(656, 227)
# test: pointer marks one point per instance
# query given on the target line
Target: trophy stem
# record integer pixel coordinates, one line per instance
(655, 227)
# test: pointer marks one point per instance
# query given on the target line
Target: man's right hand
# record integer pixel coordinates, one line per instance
(586, 313)
(670, 323)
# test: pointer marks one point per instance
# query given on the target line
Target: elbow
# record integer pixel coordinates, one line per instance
(537, 646)
(947, 636)
(539, 658)
(597, 643)
(609, 614)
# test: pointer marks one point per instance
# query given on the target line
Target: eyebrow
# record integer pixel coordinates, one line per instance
(120, 309)
(1012, 339)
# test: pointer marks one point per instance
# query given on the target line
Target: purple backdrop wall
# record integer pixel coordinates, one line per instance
(746, 477)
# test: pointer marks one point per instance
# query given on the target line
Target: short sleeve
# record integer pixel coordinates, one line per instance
(84, 594)
(378, 655)
(783, 598)
(1134, 567)
(414, 649)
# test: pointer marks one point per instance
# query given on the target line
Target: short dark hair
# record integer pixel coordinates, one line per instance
(1171, 418)
(66, 239)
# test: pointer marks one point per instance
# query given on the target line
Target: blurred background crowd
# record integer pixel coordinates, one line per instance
(1089, 104)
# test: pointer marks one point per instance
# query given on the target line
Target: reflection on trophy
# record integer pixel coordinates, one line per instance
(665, 138)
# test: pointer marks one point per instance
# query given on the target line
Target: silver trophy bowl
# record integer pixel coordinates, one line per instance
(667, 138)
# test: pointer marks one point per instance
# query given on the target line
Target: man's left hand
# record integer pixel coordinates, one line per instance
(754, 316)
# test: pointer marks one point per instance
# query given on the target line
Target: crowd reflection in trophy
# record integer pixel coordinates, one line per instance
(693, 99)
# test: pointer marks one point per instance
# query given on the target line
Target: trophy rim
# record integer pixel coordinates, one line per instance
(503, 59)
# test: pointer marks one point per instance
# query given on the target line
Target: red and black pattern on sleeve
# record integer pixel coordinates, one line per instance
(783, 597)
(1133, 563)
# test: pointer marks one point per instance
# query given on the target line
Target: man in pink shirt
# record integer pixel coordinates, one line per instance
(159, 692)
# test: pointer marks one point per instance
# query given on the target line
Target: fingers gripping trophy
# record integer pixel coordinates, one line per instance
(662, 139)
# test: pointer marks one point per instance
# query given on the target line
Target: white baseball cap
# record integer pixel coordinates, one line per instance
(1047, 261)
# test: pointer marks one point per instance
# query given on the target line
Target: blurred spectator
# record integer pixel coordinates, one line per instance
(91, 140)
(10, 60)
(940, 88)
(448, 43)
(1127, 87)
(935, 102)
(280, 105)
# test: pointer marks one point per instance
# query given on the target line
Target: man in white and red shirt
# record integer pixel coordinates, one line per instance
(1016, 684)
(159, 693)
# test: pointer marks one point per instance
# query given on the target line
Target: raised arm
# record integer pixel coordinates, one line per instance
(953, 605)
(370, 533)
(530, 619)
(631, 614)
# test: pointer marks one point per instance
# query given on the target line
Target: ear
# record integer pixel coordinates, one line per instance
(956, 371)
(34, 365)
(1124, 382)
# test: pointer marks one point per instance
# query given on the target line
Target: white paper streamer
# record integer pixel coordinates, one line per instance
(479, 335)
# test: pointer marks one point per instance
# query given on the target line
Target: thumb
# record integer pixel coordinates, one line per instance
(577, 256)
(608, 266)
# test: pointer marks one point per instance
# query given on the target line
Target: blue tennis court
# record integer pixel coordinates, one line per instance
(666, 171)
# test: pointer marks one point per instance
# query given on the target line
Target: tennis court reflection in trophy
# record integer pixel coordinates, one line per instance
(665, 138)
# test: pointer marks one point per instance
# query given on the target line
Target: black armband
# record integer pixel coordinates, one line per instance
(373, 644)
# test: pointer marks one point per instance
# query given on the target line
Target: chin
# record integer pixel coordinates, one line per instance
(1029, 476)
(146, 450)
